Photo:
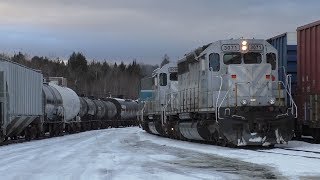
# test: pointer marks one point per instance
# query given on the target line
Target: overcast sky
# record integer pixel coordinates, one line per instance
(142, 29)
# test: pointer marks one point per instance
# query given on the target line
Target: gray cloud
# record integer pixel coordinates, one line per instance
(142, 29)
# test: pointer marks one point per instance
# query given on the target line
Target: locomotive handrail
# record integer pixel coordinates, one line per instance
(284, 74)
(289, 76)
(218, 98)
(293, 105)
(218, 113)
(142, 111)
(291, 99)
(288, 79)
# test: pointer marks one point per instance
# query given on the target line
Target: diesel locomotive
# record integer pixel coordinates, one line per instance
(227, 92)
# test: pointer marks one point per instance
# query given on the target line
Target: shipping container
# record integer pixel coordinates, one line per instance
(20, 97)
(286, 45)
(309, 77)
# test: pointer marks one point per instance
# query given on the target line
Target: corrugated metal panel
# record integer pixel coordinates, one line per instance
(286, 44)
(24, 89)
(309, 74)
(309, 57)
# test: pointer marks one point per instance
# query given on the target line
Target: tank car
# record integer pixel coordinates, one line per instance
(111, 112)
(101, 111)
(126, 111)
(88, 113)
(227, 92)
(62, 106)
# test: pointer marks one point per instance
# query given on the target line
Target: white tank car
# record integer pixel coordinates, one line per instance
(70, 101)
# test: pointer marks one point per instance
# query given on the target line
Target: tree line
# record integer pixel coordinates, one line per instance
(94, 78)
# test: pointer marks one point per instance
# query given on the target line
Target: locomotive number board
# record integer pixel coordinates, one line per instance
(230, 47)
(173, 69)
(236, 47)
(255, 47)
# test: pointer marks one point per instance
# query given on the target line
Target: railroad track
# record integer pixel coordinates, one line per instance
(300, 150)
(286, 152)
(22, 140)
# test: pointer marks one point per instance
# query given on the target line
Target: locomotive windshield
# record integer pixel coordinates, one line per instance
(252, 58)
(174, 76)
(232, 58)
(248, 58)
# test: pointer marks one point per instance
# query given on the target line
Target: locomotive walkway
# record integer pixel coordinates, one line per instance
(130, 153)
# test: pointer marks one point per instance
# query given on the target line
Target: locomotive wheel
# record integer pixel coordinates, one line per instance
(316, 135)
(215, 138)
(223, 142)
(231, 145)
(297, 135)
(39, 133)
(51, 132)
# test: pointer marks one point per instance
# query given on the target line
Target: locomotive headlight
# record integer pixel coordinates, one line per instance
(244, 48)
(244, 102)
(272, 101)
(244, 43)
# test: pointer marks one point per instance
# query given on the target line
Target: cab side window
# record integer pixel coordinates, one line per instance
(163, 79)
(214, 61)
(271, 58)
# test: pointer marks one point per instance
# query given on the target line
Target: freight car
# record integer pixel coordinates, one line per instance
(286, 45)
(308, 80)
(31, 108)
(298, 53)
(227, 92)
(20, 99)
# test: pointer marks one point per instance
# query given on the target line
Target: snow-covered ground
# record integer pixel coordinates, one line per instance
(130, 153)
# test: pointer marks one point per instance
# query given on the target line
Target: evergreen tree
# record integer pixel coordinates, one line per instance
(165, 60)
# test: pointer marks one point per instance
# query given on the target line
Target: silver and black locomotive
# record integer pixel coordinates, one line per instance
(227, 92)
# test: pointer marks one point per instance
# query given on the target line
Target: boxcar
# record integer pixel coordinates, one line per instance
(309, 79)
(286, 44)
